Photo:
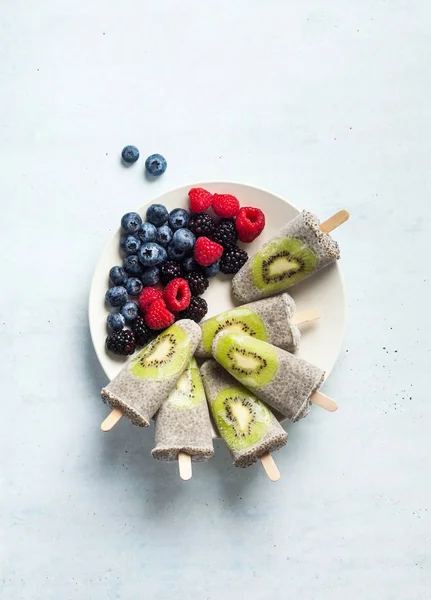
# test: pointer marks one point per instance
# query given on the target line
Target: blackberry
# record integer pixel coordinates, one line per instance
(196, 310)
(170, 270)
(225, 233)
(201, 225)
(197, 283)
(141, 331)
(121, 342)
(233, 259)
(190, 265)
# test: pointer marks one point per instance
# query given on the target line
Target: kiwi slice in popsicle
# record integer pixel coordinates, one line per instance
(164, 357)
(189, 390)
(241, 319)
(281, 263)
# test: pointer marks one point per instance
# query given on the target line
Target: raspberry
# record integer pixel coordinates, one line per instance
(225, 233)
(141, 331)
(121, 342)
(200, 200)
(225, 205)
(201, 225)
(148, 296)
(197, 283)
(197, 309)
(169, 271)
(158, 316)
(232, 260)
(177, 294)
(207, 252)
(249, 223)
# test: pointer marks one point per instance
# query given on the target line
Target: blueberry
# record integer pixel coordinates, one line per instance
(191, 266)
(130, 154)
(134, 286)
(131, 222)
(151, 254)
(178, 218)
(147, 233)
(116, 296)
(130, 311)
(132, 265)
(156, 165)
(212, 270)
(157, 214)
(175, 253)
(150, 276)
(130, 244)
(183, 239)
(115, 321)
(118, 276)
(164, 235)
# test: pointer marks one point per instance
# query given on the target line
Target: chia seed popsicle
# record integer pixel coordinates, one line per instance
(148, 378)
(246, 424)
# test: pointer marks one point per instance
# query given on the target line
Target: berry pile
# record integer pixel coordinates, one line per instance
(168, 261)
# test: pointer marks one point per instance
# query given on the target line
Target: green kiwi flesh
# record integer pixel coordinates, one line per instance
(240, 319)
(281, 263)
(252, 362)
(241, 418)
(189, 390)
(164, 357)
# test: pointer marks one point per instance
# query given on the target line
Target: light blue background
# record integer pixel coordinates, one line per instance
(325, 103)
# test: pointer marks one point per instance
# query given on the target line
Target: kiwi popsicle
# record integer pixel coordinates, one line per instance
(269, 320)
(300, 250)
(148, 378)
(248, 427)
(183, 422)
(277, 377)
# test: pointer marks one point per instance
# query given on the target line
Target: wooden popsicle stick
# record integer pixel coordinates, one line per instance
(112, 419)
(335, 221)
(305, 316)
(324, 401)
(270, 467)
(185, 466)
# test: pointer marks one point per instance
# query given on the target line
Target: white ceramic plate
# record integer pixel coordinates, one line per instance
(321, 340)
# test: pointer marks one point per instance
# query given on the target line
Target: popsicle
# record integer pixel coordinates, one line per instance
(285, 382)
(248, 427)
(183, 424)
(272, 320)
(302, 248)
(148, 378)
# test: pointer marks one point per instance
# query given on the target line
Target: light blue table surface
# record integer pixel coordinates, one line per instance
(325, 103)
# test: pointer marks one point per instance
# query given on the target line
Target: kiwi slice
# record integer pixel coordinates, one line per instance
(189, 390)
(164, 357)
(241, 418)
(252, 362)
(240, 319)
(281, 263)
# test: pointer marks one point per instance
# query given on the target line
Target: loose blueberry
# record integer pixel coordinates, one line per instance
(150, 276)
(147, 233)
(130, 154)
(116, 296)
(115, 321)
(191, 266)
(130, 244)
(132, 265)
(157, 214)
(164, 235)
(151, 254)
(131, 222)
(183, 239)
(129, 310)
(175, 253)
(212, 270)
(178, 218)
(134, 286)
(156, 165)
(118, 276)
